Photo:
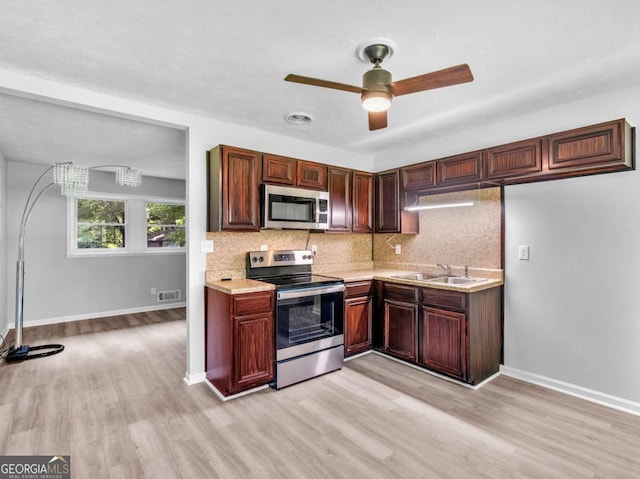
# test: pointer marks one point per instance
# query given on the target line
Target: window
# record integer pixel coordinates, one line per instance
(100, 224)
(108, 224)
(165, 225)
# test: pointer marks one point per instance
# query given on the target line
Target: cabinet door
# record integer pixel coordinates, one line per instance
(389, 215)
(339, 199)
(278, 169)
(460, 169)
(357, 331)
(240, 190)
(387, 202)
(362, 211)
(400, 330)
(311, 175)
(597, 145)
(444, 341)
(521, 158)
(253, 351)
(419, 177)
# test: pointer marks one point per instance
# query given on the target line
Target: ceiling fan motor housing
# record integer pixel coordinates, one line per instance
(377, 79)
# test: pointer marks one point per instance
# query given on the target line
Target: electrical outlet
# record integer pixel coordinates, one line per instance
(314, 249)
(206, 246)
(264, 247)
(523, 252)
(153, 290)
(398, 249)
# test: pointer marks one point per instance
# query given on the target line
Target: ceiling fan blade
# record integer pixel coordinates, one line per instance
(322, 83)
(377, 120)
(429, 81)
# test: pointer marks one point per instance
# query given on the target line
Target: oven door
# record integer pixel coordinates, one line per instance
(309, 320)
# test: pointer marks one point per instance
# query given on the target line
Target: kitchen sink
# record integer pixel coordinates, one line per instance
(438, 278)
(454, 280)
(418, 276)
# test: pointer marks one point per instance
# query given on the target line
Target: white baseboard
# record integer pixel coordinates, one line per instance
(101, 314)
(598, 397)
(441, 376)
(196, 378)
(234, 396)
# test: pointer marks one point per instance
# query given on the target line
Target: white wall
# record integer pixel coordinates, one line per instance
(60, 288)
(4, 318)
(571, 311)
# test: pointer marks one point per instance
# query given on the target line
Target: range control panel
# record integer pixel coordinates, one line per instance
(263, 259)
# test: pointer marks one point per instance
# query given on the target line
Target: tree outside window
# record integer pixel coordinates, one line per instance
(165, 225)
(100, 224)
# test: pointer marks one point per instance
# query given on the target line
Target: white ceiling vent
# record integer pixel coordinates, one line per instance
(299, 120)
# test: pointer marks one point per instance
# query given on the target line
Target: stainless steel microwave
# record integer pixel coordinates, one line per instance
(294, 208)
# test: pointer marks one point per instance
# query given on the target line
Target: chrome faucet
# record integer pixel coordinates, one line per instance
(446, 268)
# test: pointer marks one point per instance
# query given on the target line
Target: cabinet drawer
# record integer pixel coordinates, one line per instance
(359, 288)
(444, 298)
(398, 292)
(252, 303)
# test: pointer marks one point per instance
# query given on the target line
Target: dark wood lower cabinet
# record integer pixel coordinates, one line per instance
(239, 340)
(450, 332)
(358, 315)
(444, 341)
(400, 330)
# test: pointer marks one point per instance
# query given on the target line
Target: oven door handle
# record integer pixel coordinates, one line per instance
(301, 293)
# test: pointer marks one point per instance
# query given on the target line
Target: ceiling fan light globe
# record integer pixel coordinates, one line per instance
(375, 101)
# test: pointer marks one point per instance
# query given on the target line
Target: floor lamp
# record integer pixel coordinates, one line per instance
(74, 182)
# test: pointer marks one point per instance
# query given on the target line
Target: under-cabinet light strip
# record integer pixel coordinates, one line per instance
(433, 207)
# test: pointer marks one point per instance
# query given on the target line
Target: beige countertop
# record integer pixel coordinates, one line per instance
(240, 286)
(388, 275)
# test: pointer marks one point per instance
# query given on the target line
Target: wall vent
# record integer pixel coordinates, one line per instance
(169, 295)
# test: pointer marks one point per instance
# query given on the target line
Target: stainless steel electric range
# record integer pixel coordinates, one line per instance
(309, 314)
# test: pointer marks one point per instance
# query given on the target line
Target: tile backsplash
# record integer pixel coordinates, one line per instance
(461, 236)
(336, 251)
(455, 236)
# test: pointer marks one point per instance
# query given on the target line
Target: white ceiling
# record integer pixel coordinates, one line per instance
(227, 60)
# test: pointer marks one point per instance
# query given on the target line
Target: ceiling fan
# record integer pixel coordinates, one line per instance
(378, 90)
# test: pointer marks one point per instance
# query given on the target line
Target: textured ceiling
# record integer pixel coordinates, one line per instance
(227, 60)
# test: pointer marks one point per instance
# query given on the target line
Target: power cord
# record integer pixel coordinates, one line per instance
(3, 350)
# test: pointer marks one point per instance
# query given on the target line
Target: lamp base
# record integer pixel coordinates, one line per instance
(22, 353)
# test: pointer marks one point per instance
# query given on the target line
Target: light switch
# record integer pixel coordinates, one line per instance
(523, 252)
(398, 249)
(206, 246)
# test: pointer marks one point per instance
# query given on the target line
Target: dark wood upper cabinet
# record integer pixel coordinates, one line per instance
(278, 169)
(339, 182)
(311, 175)
(459, 169)
(601, 148)
(418, 177)
(362, 211)
(597, 145)
(520, 158)
(234, 184)
(390, 216)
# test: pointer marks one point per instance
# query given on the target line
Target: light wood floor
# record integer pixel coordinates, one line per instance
(115, 401)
